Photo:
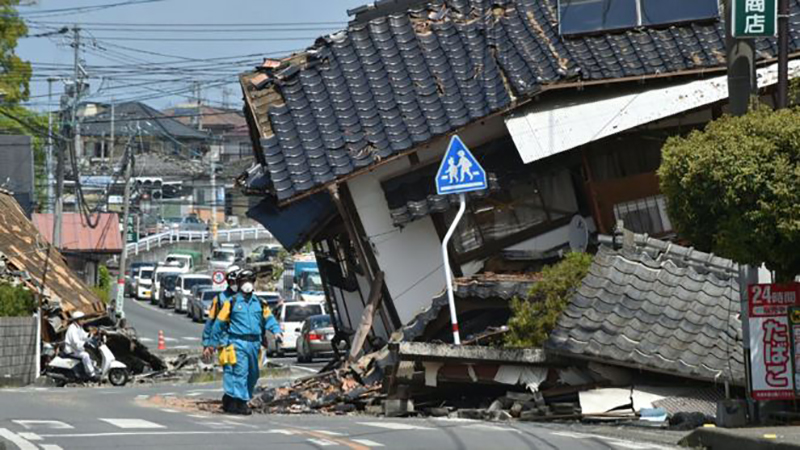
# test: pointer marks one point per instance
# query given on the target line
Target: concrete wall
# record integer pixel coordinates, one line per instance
(17, 350)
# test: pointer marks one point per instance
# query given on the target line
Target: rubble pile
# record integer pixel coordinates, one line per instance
(350, 388)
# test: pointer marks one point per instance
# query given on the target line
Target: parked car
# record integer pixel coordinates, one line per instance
(315, 338)
(144, 282)
(223, 257)
(161, 271)
(130, 276)
(264, 253)
(291, 316)
(166, 292)
(201, 303)
(183, 288)
(188, 223)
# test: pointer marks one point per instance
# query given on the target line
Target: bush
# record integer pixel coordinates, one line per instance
(103, 288)
(732, 189)
(535, 317)
(16, 301)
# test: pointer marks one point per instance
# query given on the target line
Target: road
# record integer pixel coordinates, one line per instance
(180, 333)
(100, 418)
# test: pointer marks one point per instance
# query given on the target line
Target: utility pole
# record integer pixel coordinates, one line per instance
(113, 135)
(741, 58)
(78, 84)
(783, 54)
(59, 207)
(51, 196)
(126, 206)
(213, 200)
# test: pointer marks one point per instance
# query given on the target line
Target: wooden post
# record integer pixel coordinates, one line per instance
(367, 317)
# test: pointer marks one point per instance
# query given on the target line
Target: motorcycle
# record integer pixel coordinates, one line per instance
(64, 368)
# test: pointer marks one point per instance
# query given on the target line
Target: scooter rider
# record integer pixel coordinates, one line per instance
(74, 342)
(239, 330)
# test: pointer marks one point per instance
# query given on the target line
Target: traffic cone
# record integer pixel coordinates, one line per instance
(161, 344)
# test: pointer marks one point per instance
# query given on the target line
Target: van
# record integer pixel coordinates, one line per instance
(291, 317)
(223, 257)
(158, 277)
(183, 288)
(143, 282)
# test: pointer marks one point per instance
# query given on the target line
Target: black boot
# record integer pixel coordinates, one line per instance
(242, 408)
(227, 403)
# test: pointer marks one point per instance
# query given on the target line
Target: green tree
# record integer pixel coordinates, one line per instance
(534, 318)
(15, 74)
(103, 288)
(734, 188)
(15, 301)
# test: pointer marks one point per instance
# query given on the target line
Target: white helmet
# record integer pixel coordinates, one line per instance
(231, 269)
(78, 315)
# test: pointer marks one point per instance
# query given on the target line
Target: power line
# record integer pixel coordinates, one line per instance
(203, 25)
(83, 9)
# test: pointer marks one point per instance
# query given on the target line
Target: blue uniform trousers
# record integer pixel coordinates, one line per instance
(239, 380)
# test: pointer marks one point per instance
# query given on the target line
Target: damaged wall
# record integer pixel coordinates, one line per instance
(17, 350)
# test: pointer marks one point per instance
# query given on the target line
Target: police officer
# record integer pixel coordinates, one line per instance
(238, 330)
(209, 343)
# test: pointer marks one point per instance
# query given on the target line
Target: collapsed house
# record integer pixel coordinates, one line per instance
(568, 123)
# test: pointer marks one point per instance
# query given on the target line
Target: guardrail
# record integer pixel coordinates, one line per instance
(177, 236)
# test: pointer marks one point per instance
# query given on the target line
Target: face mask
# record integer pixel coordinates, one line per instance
(247, 287)
(233, 287)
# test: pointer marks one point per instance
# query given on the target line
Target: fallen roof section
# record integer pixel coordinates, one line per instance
(656, 306)
(27, 251)
(396, 78)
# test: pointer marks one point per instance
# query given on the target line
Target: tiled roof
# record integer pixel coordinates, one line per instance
(26, 250)
(151, 121)
(78, 236)
(660, 307)
(388, 84)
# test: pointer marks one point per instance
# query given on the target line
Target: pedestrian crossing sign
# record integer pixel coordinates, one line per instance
(459, 171)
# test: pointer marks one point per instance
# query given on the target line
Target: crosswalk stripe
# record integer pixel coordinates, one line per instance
(329, 433)
(48, 424)
(17, 440)
(367, 442)
(190, 338)
(321, 442)
(30, 436)
(169, 339)
(394, 426)
(146, 339)
(132, 423)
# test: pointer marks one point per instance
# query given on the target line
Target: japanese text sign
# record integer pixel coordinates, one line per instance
(794, 334)
(770, 352)
(754, 18)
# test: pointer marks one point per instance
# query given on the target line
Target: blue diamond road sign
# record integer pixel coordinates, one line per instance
(459, 171)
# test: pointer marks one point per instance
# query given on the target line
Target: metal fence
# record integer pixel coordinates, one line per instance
(176, 236)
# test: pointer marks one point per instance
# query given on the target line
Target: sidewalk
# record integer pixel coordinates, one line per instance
(772, 438)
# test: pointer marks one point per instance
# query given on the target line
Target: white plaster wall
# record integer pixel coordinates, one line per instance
(410, 258)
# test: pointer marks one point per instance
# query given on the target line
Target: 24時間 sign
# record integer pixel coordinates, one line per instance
(771, 374)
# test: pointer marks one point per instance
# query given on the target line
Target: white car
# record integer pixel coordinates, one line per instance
(173, 267)
(223, 257)
(291, 316)
(144, 282)
(183, 288)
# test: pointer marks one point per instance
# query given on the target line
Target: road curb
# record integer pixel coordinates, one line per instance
(741, 439)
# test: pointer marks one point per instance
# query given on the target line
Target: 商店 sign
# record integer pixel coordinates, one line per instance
(771, 368)
(754, 18)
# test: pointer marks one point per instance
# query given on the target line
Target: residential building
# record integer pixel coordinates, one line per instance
(16, 170)
(85, 246)
(566, 108)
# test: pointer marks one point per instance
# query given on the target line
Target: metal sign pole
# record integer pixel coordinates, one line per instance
(447, 273)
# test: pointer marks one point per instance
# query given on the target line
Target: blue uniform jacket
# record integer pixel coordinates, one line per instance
(248, 317)
(216, 305)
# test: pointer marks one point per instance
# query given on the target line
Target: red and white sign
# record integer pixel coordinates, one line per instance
(770, 354)
(218, 277)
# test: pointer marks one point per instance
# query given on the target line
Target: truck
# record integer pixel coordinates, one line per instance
(190, 259)
(302, 282)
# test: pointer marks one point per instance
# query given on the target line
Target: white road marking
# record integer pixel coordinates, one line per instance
(572, 435)
(51, 447)
(48, 424)
(199, 416)
(142, 397)
(17, 440)
(629, 445)
(329, 433)
(321, 442)
(216, 425)
(30, 436)
(367, 442)
(190, 338)
(169, 410)
(238, 424)
(169, 339)
(194, 394)
(487, 426)
(132, 423)
(146, 339)
(180, 347)
(394, 426)
(157, 433)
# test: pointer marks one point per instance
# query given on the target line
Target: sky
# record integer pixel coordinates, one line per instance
(157, 51)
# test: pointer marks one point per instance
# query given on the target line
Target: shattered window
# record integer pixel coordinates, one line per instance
(519, 205)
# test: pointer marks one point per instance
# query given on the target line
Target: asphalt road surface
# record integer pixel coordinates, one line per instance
(102, 418)
(180, 333)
